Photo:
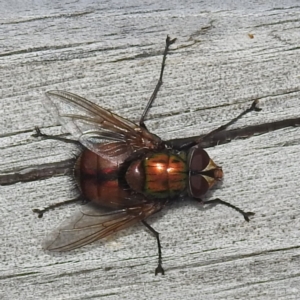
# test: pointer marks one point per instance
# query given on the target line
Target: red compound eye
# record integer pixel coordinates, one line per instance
(199, 160)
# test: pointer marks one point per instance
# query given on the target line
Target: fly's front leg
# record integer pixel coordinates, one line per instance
(217, 201)
(159, 83)
(159, 268)
(38, 134)
(253, 107)
(208, 139)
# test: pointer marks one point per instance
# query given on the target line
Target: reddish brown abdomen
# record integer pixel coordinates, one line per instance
(98, 181)
(159, 175)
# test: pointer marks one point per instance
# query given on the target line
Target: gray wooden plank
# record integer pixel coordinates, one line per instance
(111, 54)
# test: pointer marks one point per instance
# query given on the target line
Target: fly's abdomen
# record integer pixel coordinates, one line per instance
(159, 175)
(97, 178)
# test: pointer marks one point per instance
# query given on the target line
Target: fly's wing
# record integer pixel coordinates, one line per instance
(90, 225)
(91, 124)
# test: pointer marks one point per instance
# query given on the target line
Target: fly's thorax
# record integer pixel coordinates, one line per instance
(158, 175)
(203, 172)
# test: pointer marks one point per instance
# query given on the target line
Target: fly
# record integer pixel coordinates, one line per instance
(125, 173)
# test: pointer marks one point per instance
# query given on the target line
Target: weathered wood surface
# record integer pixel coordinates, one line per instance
(110, 53)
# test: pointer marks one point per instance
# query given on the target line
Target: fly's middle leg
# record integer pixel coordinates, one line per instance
(159, 268)
(169, 42)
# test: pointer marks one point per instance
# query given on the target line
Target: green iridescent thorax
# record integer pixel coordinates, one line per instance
(165, 174)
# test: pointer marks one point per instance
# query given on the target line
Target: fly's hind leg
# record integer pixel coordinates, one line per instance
(217, 201)
(38, 134)
(41, 212)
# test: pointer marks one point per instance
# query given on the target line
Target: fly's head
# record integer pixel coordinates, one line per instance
(203, 172)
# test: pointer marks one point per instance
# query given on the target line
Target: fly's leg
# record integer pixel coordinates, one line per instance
(253, 107)
(211, 134)
(159, 83)
(41, 212)
(38, 133)
(159, 268)
(217, 201)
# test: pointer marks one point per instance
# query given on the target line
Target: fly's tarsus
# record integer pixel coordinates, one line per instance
(216, 201)
(169, 42)
(159, 268)
(38, 134)
(40, 212)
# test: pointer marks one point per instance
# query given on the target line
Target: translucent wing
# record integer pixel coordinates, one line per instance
(91, 124)
(90, 225)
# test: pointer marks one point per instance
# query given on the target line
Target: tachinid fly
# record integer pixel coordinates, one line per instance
(128, 171)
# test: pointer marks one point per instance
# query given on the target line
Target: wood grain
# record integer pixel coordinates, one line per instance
(226, 56)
